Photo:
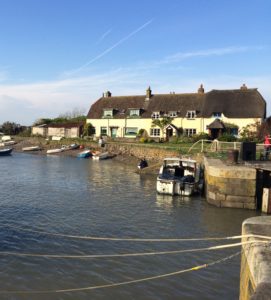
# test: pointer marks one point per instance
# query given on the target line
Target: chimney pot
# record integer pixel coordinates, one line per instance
(107, 94)
(243, 87)
(201, 89)
(148, 93)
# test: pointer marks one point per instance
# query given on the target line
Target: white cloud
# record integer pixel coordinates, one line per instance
(209, 52)
(24, 103)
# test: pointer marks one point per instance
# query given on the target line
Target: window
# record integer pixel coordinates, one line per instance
(191, 114)
(234, 131)
(217, 114)
(155, 132)
(156, 115)
(131, 131)
(108, 113)
(190, 131)
(173, 114)
(134, 112)
(103, 130)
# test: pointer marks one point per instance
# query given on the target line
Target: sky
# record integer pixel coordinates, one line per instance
(59, 56)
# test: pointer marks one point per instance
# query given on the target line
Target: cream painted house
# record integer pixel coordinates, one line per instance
(192, 113)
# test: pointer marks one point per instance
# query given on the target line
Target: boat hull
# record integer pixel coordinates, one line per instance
(53, 151)
(4, 152)
(175, 187)
(33, 148)
(100, 156)
(84, 154)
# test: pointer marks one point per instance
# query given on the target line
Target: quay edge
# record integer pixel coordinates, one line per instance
(255, 272)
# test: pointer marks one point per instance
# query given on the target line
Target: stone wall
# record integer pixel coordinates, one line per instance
(229, 185)
(255, 273)
(149, 153)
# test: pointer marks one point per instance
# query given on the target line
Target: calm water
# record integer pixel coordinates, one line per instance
(106, 198)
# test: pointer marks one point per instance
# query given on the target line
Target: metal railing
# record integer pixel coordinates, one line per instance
(219, 146)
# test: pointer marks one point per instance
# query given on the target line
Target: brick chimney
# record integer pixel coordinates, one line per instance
(243, 87)
(148, 93)
(107, 94)
(201, 89)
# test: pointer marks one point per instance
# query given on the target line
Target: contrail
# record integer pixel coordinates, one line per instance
(103, 36)
(112, 47)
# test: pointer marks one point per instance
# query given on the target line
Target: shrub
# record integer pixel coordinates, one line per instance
(226, 137)
(200, 136)
(143, 140)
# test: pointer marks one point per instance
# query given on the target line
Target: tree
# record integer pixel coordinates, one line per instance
(11, 128)
(162, 123)
(88, 129)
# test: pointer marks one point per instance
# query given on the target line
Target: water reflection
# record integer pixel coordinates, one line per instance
(106, 198)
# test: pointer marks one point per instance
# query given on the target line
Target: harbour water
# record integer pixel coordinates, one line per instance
(107, 199)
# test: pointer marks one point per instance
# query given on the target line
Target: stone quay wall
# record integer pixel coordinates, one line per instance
(229, 185)
(150, 153)
(255, 273)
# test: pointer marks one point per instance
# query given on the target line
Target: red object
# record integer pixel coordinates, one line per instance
(267, 140)
(81, 147)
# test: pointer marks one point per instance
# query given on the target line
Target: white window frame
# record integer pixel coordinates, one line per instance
(133, 130)
(191, 114)
(173, 114)
(108, 113)
(134, 113)
(103, 128)
(155, 115)
(190, 131)
(155, 132)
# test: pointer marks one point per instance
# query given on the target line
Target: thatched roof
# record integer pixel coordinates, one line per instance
(216, 124)
(242, 103)
(247, 103)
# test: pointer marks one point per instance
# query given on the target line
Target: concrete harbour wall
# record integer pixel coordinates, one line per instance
(229, 185)
(255, 273)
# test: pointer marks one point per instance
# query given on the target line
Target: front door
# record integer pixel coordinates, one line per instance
(114, 131)
(169, 133)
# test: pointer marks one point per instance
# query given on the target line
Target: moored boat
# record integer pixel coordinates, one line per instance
(179, 176)
(97, 155)
(84, 154)
(73, 146)
(53, 151)
(5, 151)
(31, 148)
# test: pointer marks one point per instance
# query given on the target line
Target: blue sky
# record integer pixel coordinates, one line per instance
(57, 56)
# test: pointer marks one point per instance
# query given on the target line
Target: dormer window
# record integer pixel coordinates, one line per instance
(134, 112)
(172, 114)
(108, 113)
(191, 114)
(155, 115)
(217, 114)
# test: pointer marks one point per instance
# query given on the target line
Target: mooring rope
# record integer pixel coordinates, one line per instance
(111, 285)
(128, 239)
(67, 256)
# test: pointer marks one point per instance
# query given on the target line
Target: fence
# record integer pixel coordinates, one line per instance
(218, 146)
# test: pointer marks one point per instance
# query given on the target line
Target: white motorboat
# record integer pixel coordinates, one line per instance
(97, 155)
(53, 151)
(179, 176)
(31, 148)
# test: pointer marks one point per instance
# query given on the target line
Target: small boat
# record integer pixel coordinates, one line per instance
(8, 143)
(179, 176)
(53, 151)
(84, 154)
(5, 151)
(31, 148)
(73, 146)
(97, 155)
